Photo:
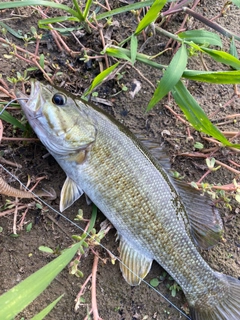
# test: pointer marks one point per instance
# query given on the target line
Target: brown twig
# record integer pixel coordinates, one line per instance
(6, 212)
(200, 155)
(81, 292)
(10, 163)
(175, 114)
(234, 163)
(94, 293)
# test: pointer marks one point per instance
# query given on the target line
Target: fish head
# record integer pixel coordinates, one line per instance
(61, 122)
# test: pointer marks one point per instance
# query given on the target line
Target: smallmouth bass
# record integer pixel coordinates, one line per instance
(156, 217)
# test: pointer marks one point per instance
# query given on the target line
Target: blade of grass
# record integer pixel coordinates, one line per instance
(151, 15)
(80, 14)
(10, 119)
(223, 57)
(87, 8)
(218, 77)
(195, 114)
(201, 37)
(233, 49)
(16, 299)
(99, 79)
(134, 45)
(43, 23)
(221, 77)
(170, 77)
(127, 8)
(17, 4)
(41, 315)
(236, 2)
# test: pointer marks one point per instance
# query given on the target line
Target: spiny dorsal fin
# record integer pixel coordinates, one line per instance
(135, 261)
(69, 194)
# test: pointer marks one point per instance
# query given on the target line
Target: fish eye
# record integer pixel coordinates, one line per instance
(59, 99)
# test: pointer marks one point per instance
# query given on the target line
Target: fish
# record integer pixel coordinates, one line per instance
(157, 217)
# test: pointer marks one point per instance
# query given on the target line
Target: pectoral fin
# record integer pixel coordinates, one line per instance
(205, 221)
(135, 266)
(69, 194)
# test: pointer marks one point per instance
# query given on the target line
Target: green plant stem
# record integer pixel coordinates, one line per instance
(80, 15)
(167, 34)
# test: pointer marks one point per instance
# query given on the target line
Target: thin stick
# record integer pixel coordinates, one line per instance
(94, 293)
(10, 163)
(4, 213)
(175, 114)
(15, 219)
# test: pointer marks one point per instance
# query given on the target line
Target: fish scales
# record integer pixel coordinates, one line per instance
(156, 218)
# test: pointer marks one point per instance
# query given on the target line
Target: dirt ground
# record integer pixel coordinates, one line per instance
(20, 256)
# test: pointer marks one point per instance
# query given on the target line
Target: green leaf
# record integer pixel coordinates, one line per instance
(29, 227)
(151, 15)
(195, 114)
(119, 53)
(99, 78)
(219, 77)
(134, 45)
(16, 299)
(43, 23)
(45, 249)
(17, 4)
(87, 8)
(233, 49)
(10, 119)
(201, 37)
(127, 8)
(236, 2)
(223, 57)
(170, 77)
(41, 315)
(41, 60)
(154, 282)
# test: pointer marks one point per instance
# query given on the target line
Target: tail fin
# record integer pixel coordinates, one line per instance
(223, 304)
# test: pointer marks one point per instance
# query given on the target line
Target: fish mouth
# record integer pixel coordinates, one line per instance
(31, 104)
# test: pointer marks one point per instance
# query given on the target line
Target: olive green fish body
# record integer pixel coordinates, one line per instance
(156, 218)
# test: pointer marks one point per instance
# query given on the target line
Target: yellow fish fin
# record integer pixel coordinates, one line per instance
(69, 194)
(135, 265)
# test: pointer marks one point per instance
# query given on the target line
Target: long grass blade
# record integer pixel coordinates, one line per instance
(16, 299)
(17, 4)
(10, 119)
(41, 315)
(151, 15)
(201, 37)
(170, 77)
(195, 114)
(99, 79)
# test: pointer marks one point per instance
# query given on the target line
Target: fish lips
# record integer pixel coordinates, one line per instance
(31, 105)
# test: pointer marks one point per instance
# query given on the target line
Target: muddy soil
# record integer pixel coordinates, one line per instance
(20, 255)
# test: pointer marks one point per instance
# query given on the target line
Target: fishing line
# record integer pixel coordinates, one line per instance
(101, 245)
(12, 102)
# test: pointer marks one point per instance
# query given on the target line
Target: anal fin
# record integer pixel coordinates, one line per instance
(135, 265)
(69, 194)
